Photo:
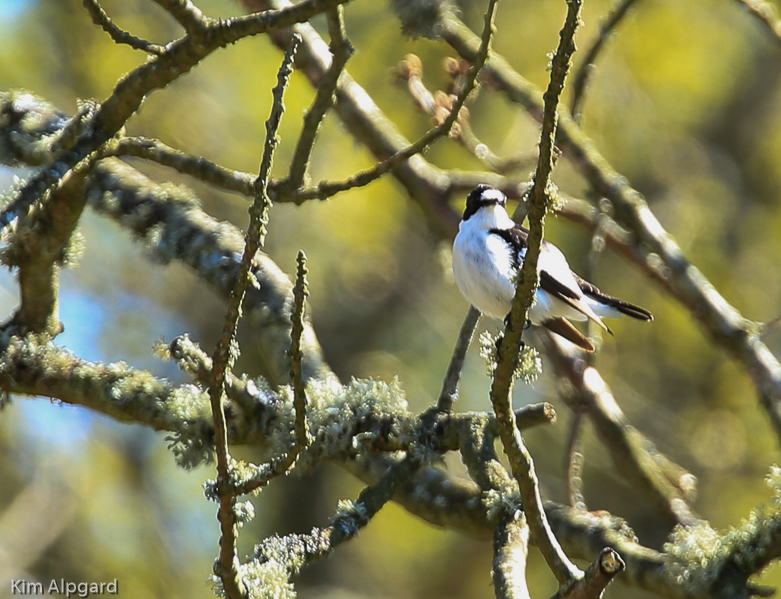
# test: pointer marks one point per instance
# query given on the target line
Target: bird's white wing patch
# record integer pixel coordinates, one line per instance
(553, 261)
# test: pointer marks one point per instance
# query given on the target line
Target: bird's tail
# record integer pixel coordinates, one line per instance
(613, 302)
(632, 310)
(563, 327)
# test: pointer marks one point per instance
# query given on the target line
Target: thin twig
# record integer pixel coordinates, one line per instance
(450, 385)
(196, 166)
(341, 49)
(509, 346)
(120, 36)
(227, 565)
(580, 79)
(326, 189)
(300, 293)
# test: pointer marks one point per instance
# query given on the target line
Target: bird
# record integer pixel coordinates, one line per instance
(488, 253)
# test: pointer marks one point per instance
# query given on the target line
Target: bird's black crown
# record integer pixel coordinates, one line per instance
(482, 195)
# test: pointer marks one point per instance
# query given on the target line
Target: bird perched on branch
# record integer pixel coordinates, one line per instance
(488, 253)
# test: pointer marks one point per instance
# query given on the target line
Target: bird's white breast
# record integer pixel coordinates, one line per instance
(485, 273)
(483, 263)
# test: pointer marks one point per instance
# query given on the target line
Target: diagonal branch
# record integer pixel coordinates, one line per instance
(449, 391)
(766, 13)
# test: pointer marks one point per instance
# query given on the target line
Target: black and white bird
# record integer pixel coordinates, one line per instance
(488, 253)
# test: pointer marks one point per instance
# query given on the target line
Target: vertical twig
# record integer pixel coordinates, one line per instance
(227, 564)
(300, 293)
(450, 384)
(510, 344)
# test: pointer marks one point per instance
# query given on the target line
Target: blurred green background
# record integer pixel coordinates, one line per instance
(685, 103)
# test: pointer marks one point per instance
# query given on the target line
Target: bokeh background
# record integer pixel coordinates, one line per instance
(685, 103)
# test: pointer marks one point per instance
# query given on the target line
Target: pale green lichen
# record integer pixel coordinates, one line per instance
(529, 365)
(334, 412)
(488, 351)
(162, 349)
(697, 555)
(268, 579)
(267, 574)
(555, 200)
(773, 480)
(497, 503)
(337, 416)
(694, 555)
(193, 442)
(529, 362)
(73, 250)
(243, 512)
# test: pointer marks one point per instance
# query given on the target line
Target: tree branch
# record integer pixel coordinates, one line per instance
(766, 13)
(509, 346)
(225, 353)
(449, 391)
(120, 36)
(511, 548)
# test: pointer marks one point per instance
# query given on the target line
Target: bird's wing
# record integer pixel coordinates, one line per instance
(620, 305)
(516, 238)
(551, 259)
(570, 297)
(563, 327)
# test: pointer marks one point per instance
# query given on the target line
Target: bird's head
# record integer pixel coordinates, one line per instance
(481, 196)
